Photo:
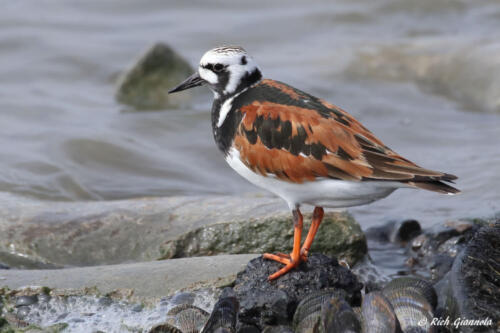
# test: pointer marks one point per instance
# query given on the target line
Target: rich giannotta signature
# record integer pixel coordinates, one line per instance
(458, 322)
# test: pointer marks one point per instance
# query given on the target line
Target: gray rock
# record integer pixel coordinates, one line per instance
(138, 308)
(395, 231)
(145, 86)
(339, 235)
(435, 250)
(21, 260)
(277, 329)
(405, 231)
(105, 301)
(248, 329)
(183, 298)
(113, 232)
(145, 281)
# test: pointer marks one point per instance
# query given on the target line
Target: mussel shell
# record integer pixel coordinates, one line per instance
(188, 318)
(310, 324)
(412, 309)
(378, 314)
(26, 300)
(164, 328)
(223, 317)
(420, 286)
(338, 316)
(277, 329)
(182, 307)
(310, 305)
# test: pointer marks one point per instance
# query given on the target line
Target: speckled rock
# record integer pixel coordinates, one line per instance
(48, 235)
(145, 86)
(264, 303)
(339, 235)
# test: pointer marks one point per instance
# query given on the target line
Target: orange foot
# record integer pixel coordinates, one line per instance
(299, 254)
(287, 260)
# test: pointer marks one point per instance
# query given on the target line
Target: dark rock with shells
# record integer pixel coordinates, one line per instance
(460, 259)
(404, 305)
(264, 303)
(327, 300)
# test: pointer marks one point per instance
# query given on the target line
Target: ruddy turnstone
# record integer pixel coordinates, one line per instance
(299, 147)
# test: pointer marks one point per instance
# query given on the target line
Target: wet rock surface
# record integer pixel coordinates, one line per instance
(473, 291)
(429, 253)
(264, 303)
(435, 250)
(95, 233)
(162, 277)
(459, 258)
(145, 86)
(395, 231)
(339, 235)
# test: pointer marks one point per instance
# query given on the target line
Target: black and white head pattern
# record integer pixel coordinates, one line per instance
(228, 70)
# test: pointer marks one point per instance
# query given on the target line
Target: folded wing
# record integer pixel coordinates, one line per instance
(300, 142)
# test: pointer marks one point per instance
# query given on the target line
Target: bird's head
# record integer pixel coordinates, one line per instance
(226, 70)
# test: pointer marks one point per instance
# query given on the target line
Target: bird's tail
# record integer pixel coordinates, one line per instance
(436, 185)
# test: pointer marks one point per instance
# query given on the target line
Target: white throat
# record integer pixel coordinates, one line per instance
(226, 107)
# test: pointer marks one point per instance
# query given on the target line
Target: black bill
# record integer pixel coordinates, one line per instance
(191, 82)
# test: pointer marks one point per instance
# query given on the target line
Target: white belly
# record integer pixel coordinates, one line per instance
(331, 193)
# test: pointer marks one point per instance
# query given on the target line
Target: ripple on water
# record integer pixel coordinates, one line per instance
(408, 69)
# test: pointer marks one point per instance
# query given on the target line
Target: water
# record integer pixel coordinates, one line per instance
(424, 76)
(90, 314)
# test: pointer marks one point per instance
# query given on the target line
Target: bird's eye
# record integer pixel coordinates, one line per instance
(208, 66)
(218, 67)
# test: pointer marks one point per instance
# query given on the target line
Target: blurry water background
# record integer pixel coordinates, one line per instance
(424, 76)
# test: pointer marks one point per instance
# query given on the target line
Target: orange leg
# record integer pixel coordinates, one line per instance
(316, 221)
(294, 259)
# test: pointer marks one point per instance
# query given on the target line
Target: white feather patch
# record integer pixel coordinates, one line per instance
(323, 192)
(224, 110)
(236, 72)
(226, 107)
(208, 75)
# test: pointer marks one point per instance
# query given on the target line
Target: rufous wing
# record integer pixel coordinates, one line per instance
(299, 143)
